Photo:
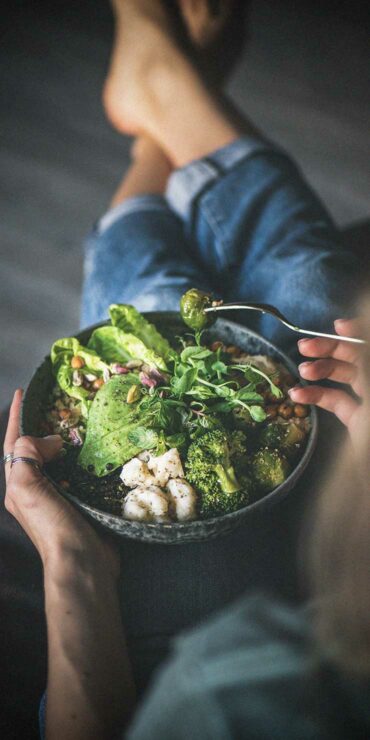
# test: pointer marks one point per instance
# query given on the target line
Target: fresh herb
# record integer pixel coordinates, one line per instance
(203, 376)
(251, 372)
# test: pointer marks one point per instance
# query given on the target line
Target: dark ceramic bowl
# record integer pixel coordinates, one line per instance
(170, 324)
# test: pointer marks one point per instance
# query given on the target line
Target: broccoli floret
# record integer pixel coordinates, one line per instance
(237, 442)
(286, 437)
(269, 469)
(210, 470)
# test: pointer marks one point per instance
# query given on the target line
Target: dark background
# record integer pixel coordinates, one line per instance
(304, 79)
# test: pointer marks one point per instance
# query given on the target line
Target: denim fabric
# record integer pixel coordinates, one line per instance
(247, 227)
(263, 236)
(138, 254)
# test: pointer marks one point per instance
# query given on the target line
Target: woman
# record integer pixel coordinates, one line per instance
(206, 202)
(259, 669)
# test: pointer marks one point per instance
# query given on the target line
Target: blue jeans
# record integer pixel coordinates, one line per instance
(244, 224)
(241, 223)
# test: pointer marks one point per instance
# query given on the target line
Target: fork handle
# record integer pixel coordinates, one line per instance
(272, 311)
(353, 340)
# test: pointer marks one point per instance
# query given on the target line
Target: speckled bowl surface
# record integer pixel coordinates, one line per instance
(170, 324)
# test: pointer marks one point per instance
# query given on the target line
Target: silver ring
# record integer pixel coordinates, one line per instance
(7, 458)
(29, 460)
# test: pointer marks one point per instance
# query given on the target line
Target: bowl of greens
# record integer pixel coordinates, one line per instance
(170, 435)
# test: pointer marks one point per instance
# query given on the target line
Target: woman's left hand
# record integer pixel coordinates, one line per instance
(53, 524)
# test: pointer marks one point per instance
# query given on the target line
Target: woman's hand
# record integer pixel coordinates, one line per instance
(56, 528)
(338, 361)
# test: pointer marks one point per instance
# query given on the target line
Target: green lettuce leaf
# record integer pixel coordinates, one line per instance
(61, 355)
(107, 342)
(115, 345)
(130, 320)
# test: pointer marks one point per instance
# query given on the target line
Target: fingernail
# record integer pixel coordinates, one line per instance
(340, 323)
(303, 365)
(302, 341)
(291, 391)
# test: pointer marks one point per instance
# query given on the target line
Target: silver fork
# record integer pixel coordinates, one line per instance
(266, 308)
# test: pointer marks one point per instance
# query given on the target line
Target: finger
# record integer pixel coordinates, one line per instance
(12, 432)
(341, 372)
(49, 447)
(338, 350)
(41, 449)
(22, 476)
(330, 399)
(348, 327)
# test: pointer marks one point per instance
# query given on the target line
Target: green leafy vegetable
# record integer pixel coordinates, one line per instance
(178, 440)
(195, 352)
(257, 413)
(62, 352)
(181, 384)
(128, 319)
(106, 342)
(253, 374)
(115, 345)
(202, 375)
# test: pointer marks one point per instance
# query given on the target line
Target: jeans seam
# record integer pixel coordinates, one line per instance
(217, 231)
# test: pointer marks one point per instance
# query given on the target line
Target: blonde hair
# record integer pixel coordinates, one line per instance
(340, 546)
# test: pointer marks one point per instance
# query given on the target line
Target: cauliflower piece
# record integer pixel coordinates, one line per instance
(183, 499)
(135, 472)
(146, 504)
(166, 466)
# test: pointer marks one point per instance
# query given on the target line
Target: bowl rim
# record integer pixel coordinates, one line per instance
(178, 527)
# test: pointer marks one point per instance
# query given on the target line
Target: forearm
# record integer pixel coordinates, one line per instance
(90, 692)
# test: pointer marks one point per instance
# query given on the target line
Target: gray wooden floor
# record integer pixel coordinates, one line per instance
(304, 80)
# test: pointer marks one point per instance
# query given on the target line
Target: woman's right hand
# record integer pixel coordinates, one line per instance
(338, 361)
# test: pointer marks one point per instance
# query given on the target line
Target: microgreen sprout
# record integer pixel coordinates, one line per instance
(244, 368)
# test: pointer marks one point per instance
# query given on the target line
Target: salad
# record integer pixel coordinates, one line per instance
(160, 432)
